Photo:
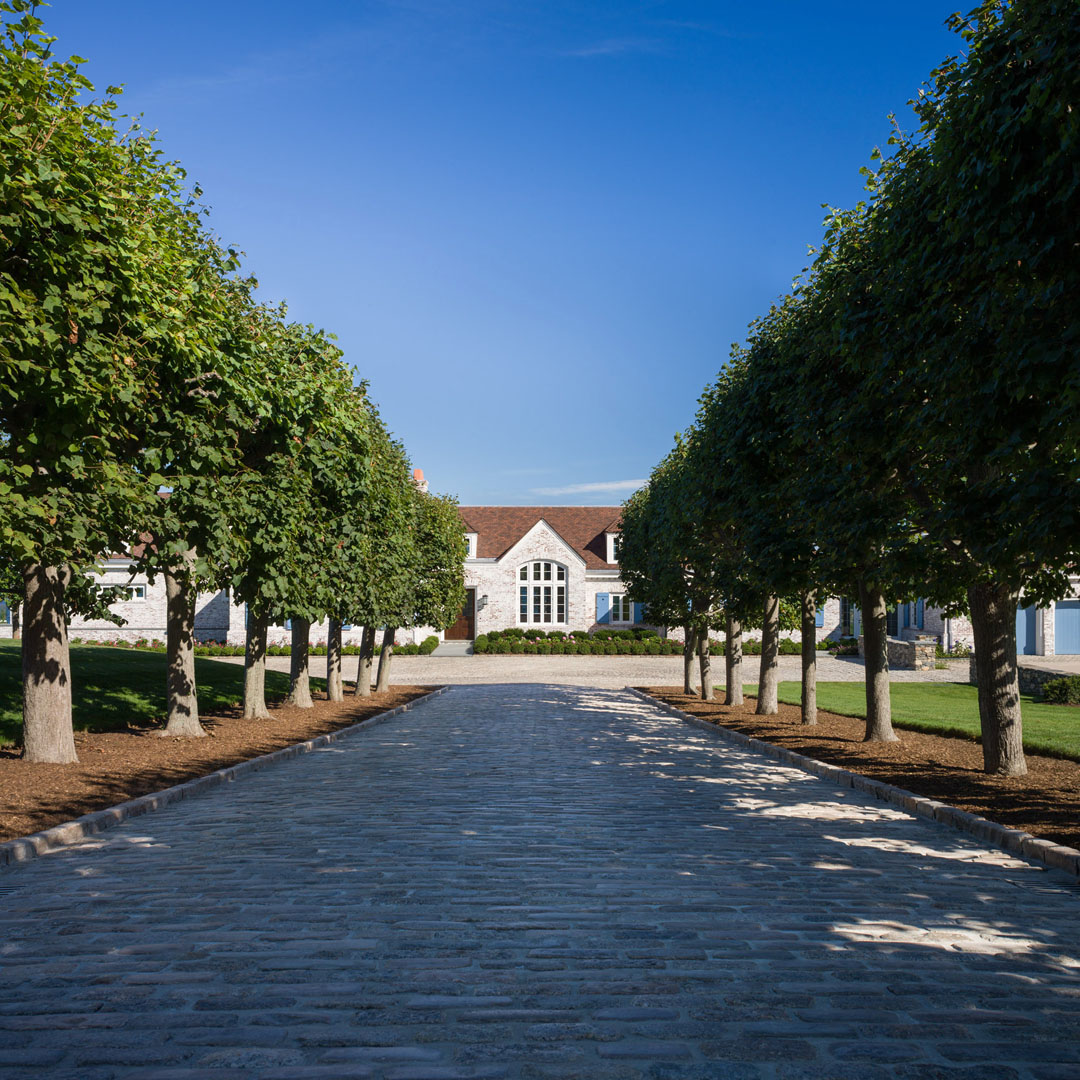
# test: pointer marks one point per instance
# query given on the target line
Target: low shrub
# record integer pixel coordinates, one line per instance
(513, 632)
(1064, 691)
(429, 645)
(789, 647)
(957, 652)
(217, 648)
(482, 643)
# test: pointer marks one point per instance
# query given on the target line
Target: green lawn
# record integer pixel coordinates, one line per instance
(117, 687)
(950, 709)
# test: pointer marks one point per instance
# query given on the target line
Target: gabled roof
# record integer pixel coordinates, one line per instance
(498, 528)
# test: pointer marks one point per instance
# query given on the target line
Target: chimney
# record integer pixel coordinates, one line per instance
(418, 479)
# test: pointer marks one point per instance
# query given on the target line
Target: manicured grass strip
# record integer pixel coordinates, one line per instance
(117, 688)
(950, 709)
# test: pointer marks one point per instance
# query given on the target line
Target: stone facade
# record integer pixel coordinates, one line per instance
(908, 654)
(496, 579)
(1031, 679)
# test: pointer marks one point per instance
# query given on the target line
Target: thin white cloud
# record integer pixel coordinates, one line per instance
(615, 47)
(591, 489)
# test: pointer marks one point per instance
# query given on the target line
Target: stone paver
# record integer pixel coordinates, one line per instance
(529, 882)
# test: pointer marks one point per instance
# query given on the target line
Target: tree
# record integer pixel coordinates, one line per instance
(376, 589)
(982, 232)
(84, 298)
(437, 576)
(667, 561)
(190, 443)
(287, 449)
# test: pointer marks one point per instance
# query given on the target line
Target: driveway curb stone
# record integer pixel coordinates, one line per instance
(23, 848)
(1015, 841)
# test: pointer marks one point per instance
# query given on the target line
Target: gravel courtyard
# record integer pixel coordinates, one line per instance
(608, 672)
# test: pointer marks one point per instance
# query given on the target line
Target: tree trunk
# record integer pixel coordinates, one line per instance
(382, 683)
(876, 658)
(363, 668)
(993, 621)
(16, 621)
(255, 669)
(181, 698)
(335, 690)
(769, 672)
(705, 665)
(689, 648)
(46, 667)
(733, 662)
(299, 668)
(809, 659)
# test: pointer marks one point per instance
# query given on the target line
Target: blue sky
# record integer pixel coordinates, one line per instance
(535, 227)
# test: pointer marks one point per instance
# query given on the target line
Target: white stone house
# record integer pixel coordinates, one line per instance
(554, 568)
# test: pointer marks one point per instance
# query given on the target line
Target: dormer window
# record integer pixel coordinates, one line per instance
(470, 540)
(613, 539)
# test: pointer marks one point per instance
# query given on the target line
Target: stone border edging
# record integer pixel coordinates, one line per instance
(24, 848)
(1015, 841)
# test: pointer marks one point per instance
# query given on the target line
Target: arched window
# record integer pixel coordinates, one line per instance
(542, 593)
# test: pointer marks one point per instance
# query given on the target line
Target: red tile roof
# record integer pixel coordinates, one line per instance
(498, 528)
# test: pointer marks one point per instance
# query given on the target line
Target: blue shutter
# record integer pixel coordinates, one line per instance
(856, 622)
(819, 617)
(603, 607)
(920, 613)
(639, 613)
(907, 615)
(1066, 627)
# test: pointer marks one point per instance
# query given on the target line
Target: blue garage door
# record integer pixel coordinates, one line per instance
(1025, 631)
(1067, 626)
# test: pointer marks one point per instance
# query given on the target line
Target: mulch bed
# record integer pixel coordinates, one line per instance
(1045, 802)
(119, 765)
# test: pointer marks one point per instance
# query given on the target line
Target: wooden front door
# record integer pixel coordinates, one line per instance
(465, 627)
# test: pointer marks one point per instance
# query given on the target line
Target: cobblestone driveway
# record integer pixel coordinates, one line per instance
(535, 881)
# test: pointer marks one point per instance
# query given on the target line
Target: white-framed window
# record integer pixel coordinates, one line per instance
(470, 542)
(613, 542)
(542, 593)
(135, 592)
(622, 609)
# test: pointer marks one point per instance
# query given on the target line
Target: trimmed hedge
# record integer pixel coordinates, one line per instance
(577, 643)
(1064, 691)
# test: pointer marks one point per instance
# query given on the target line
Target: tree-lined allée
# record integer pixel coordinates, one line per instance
(905, 423)
(150, 406)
